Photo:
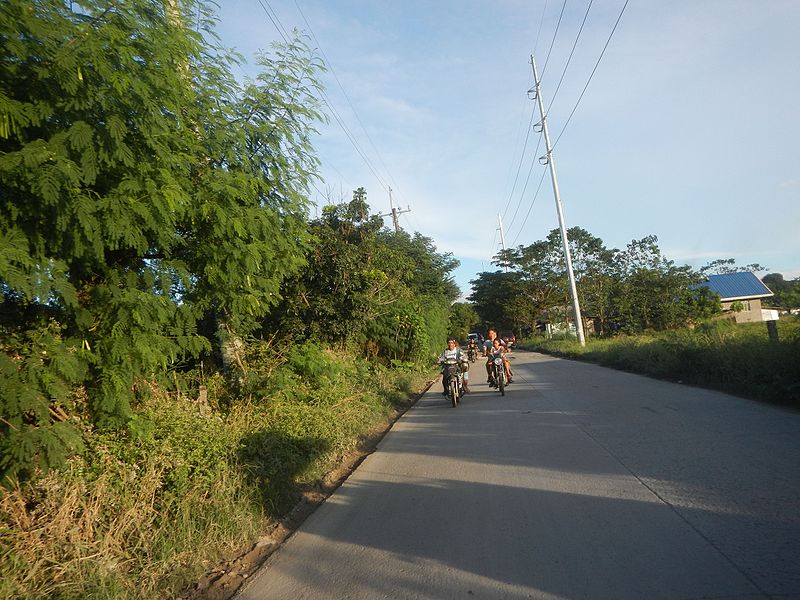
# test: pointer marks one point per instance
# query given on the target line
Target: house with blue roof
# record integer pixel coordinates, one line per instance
(740, 295)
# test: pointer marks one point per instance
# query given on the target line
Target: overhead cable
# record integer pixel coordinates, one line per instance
(521, 158)
(344, 92)
(533, 113)
(527, 179)
(536, 195)
(591, 75)
(566, 66)
(553, 41)
(273, 16)
(281, 30)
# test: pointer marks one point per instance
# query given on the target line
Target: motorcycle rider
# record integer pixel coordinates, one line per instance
(498, 350)
(472, 346)
(454, 351)
(488, 347)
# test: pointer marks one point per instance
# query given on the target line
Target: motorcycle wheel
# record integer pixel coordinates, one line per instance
(501, 382)
(454, 393)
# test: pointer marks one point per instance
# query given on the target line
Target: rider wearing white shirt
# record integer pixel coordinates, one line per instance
(453, 351)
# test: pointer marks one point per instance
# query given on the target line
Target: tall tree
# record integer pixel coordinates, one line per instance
(501, 299)
(463, 319)
(728, 265)
(142, 188)
(387, 293)
(653, 293)
(633, 289)
(787, 293)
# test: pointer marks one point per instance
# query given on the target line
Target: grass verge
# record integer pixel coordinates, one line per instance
(738, 359)
(146, 516)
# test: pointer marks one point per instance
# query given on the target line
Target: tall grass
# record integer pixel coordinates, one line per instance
(739, 359)
(145, 517)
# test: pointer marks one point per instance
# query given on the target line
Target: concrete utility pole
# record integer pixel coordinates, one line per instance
(395, 214)
(573, 290)
(502, 236)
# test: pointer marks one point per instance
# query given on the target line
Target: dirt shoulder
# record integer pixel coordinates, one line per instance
(225, 580)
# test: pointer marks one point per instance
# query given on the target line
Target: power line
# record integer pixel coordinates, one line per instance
(536, 195)
(541, 24)
(353, 142)
(592, 73)
(282, 32)
(541, 180)
(527, 179)
(521, 158)
(520, 127)
(494, 246)
(533, 113)
(530, 124)
(344, 92)
(275, 21)
(553, 41)
(566, 66)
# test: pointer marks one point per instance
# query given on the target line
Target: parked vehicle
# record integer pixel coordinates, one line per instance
(453, 380)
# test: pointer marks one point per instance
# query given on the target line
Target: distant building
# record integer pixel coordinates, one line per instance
(740, 295)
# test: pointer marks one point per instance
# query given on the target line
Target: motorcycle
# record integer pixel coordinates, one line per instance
(472, 354)
(453, 380)
(499, 374)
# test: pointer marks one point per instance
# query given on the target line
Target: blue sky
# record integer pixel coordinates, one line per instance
(689, 129)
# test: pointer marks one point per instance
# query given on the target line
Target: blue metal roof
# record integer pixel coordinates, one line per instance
(736, 286)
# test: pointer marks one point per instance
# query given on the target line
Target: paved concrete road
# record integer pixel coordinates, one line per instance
(581, 482)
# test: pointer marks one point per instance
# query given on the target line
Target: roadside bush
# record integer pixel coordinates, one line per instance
(145, 516)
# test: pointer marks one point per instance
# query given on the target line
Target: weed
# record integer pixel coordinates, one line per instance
(144, 517)
(738, 359)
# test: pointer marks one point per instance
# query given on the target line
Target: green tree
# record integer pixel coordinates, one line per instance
(431, 289)
(787, 293)
(463, 319)
(386, 293)
(631, 290)
(544, 287)
(498, 299)
(728, 265)
(653, 293)
(143, 189)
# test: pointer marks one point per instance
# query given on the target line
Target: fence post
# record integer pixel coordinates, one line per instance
(772, 329)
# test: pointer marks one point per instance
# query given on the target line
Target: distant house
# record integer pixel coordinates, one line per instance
(740, 295)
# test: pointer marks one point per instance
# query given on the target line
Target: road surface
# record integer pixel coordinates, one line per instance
(582, 482)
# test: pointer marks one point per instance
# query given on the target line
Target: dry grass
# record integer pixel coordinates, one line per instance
(145, 518)
(65, 535)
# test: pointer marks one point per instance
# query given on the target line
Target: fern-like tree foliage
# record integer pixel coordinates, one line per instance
(142, 190)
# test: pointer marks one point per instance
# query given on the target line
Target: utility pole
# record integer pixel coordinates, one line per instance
(395, 214)
(502, 236)
(548, 158)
